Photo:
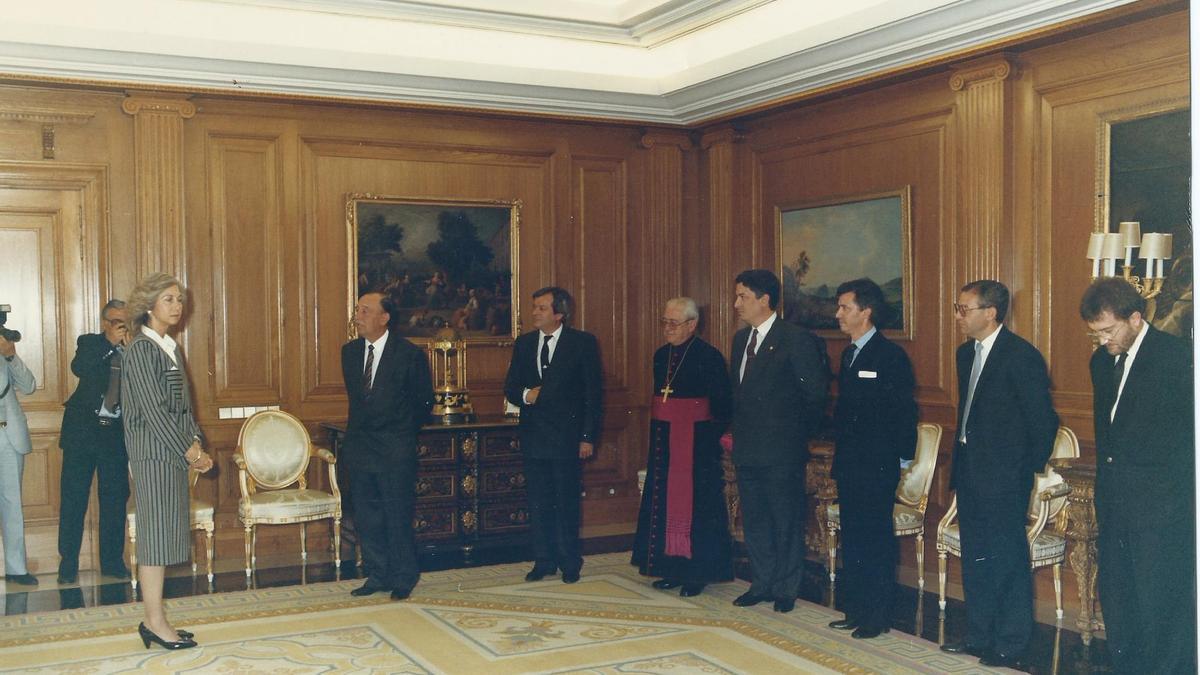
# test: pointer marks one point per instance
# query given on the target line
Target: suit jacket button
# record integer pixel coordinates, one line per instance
(1110, 460)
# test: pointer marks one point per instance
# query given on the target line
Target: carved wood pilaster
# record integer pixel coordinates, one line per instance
(984, 161)
(158, 151)
(720, 159)
(663, 235)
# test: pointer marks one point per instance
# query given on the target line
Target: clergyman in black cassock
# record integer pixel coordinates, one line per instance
(683, 525)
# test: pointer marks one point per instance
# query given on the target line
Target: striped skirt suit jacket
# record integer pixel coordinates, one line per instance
(159, 429)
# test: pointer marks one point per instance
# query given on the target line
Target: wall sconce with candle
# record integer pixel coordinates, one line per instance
(1106, 248)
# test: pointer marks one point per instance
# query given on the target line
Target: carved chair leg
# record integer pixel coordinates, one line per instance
(921, 560)
(303, 543)
(1058, 610)
(337, 543)
(942, 580)
(249, 536)
(192, 547)
(133, 581)
(208, 547)
(831, 542)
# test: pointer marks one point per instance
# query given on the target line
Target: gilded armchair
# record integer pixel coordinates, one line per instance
(273, 453)
(1045, 529)
(912, 496)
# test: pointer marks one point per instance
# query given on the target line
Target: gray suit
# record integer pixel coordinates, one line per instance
(14, 445)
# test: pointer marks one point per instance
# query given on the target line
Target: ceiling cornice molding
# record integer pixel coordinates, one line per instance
(664, 23)
(938, 35)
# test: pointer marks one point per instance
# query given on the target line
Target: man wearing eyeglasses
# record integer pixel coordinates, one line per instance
(93, 444)
(1145, 488)
(1005, 433)
(683, 525)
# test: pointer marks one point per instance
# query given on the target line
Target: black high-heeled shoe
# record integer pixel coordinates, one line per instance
(149, 636)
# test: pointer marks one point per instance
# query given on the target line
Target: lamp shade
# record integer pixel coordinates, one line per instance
(1155, 246)
(1131, 234)
(1112, 247)
(1095, 244)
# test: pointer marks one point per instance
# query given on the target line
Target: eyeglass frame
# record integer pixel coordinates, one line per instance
(671, 323)
(961, 310)
(1106, 334)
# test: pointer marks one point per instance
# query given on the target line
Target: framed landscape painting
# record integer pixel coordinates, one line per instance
(822, 244)
(447, 263)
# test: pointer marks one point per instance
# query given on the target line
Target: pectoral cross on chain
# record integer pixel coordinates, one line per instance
(666, 391)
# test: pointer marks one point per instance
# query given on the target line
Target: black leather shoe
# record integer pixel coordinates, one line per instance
(666, 584)
(366, 589)
(537, 574)
(22, 579)
(998, 660)
(865, 633)
(121, 572)
(691, 590)
(962, 648)
(401, 593)
(785, 606)
(844, 624)
(749, 599)
(148, 636)
(65, 578)
(570, 577)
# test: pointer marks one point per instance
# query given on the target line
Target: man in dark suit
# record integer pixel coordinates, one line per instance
(1145, 489)
(93, 443)
(390, 391)
(875, 426)
(780, 384)
(554, 378)
(1006, 429)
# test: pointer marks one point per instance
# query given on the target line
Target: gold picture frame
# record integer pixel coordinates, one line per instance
(446, 262)
(820, 244)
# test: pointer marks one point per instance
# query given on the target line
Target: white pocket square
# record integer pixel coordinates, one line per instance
(868, 374)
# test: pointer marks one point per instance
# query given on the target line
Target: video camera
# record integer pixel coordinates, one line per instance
(6, 333)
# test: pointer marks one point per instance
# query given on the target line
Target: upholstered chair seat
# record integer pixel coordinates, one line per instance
(912, 496)
(201, 519)
(1045, 529)
(273, 454)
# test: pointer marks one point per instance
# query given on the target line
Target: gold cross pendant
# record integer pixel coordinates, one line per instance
(666, 391)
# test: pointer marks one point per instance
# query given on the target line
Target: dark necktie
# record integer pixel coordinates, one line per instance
(1119, 371)
(751, 347)
(545, 358)
(848, 357)
(112, 396)
(368, 371)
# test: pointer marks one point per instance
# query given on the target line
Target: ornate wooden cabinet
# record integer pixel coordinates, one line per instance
(470, 486)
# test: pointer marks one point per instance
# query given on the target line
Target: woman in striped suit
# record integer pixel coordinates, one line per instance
(163, 441)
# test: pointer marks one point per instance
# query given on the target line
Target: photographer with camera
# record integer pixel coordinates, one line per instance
(93, 444)
(15, 378)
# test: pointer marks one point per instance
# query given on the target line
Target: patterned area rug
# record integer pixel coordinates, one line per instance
(478, 620)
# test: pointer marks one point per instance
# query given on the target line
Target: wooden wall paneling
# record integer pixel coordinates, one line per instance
(246, 269)
(52, 220)
(731, 241)
(158, 143)
(1074, 112)
(983, 166)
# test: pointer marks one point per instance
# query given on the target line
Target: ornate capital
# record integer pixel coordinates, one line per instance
(137, 102)
(722, 134)
(662, 137)
(982, 72)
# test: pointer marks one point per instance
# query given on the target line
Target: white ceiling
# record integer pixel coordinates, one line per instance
(655, 61)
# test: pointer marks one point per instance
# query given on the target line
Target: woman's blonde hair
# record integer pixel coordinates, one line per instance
(142, 299)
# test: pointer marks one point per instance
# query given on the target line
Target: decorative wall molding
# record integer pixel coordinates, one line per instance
(158, 150)
(671, 89)
(43, 115)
